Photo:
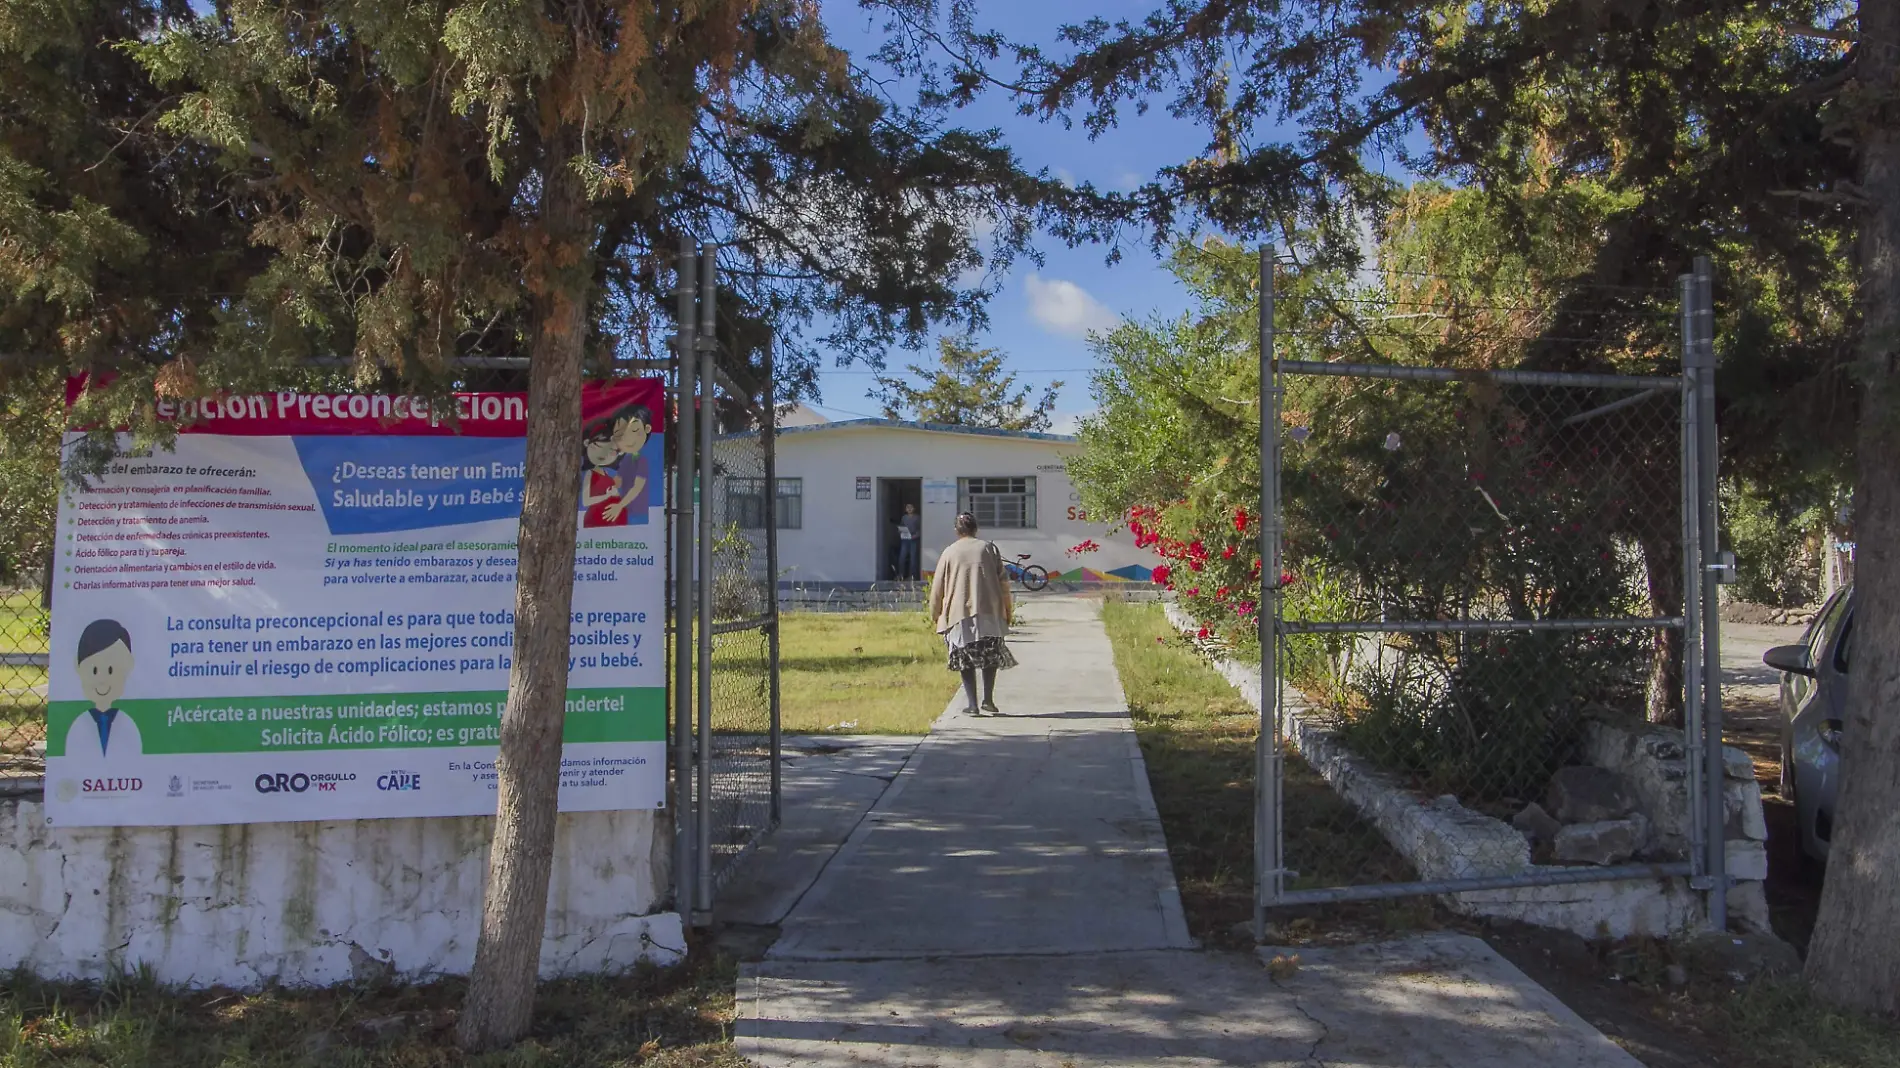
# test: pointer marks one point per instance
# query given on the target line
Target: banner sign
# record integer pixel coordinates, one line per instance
(305, 611)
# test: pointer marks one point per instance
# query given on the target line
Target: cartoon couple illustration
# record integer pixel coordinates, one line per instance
(615, 474)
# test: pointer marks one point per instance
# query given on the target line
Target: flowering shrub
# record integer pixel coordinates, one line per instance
(1401, 500)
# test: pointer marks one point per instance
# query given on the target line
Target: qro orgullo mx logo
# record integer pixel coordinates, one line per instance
(298, 782)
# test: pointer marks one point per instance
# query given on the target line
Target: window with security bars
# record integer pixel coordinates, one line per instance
(1005, 503)
(745, 501)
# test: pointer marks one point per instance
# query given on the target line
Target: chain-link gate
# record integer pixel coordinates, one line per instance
(726, 683)
(1461, 568)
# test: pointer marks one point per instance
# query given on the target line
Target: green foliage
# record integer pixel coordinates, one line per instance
(968, 387)
(1778, 543)
(1319, 664)
(29, 474)
(1408, 500)
(1485, 717)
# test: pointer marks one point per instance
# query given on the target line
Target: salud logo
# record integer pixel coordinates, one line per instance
(175, 788)
(399, 780)
(111, 786)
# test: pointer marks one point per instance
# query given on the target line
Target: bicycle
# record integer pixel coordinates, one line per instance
(1033, 576)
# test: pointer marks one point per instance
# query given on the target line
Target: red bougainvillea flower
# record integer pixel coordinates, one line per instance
(1196, 548)
(1245, 608)
(1288, 578)
(1227, 553)
(1240, 520)
(1203, 633)
(1256, 568)
(1194, 565)
(1160, 574)
(1194, 591)
(1221, 594)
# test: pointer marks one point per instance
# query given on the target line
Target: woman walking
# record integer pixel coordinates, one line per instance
(970, 606)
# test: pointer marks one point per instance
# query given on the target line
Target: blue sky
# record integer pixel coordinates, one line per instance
(1042, 313)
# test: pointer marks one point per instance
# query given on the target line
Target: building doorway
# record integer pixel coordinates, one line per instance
(892, 495)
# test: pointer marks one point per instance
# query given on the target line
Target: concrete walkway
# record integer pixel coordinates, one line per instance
(1030, 833)
(1008, 902)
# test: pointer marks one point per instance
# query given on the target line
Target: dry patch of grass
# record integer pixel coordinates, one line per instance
(664, 1018)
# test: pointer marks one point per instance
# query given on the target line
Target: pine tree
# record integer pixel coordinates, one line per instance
(968, 387)
(508, 179)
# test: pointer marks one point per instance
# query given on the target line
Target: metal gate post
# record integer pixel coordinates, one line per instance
(768, 431)
(1691, 495)
(683, 601)
(1267, 757)
(708, 389)
(1707, 470)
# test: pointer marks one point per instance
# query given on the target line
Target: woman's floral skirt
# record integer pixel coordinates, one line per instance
(983, 654)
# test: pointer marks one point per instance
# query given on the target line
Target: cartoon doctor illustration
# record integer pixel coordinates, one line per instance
(105, 665)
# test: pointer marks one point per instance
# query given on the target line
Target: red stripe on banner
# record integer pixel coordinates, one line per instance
(475, 415)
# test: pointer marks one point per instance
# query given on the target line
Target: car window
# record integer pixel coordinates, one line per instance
(1823, 628)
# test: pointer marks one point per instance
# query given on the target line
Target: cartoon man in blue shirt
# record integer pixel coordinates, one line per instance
(103, 732)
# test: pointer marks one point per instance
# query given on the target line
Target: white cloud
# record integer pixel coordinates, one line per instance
(1067, 422)
(1065, 176)
(1062, 307)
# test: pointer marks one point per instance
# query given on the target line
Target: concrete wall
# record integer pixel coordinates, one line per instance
(1444, 840)
(312, 904)
(839, 539)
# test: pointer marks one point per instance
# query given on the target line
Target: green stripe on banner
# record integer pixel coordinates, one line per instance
(362, 721)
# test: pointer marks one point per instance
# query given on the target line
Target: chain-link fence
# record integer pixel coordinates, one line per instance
(727, 507)
(1475, 568)
(742, 513)
(24, 627)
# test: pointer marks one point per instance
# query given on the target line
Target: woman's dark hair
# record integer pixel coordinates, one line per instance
(100, 635)
(966, 525)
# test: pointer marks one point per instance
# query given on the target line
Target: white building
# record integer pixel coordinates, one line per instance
(842, 486)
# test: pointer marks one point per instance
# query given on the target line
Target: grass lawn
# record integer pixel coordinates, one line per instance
(1197, 739)
(22, 688)
(22, 622)
(677, 1018)
(861, 673)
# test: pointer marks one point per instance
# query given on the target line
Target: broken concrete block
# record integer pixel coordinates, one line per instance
(1600, 842)
(1742, 801)
(1737, 764)
(1539, 824)
(1746, 859)
(1583, 794)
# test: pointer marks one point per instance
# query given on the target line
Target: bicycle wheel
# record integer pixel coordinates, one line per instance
(1035, 577)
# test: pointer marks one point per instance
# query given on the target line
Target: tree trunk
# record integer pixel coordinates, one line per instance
(1854, 959)
(1662, 559)
(514, 910)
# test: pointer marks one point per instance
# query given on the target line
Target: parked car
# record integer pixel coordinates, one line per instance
(1813, 707)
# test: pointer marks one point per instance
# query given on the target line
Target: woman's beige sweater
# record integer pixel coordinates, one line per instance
(969, 581)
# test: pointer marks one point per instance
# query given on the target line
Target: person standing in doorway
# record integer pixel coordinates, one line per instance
(970, 607)
(910, 544)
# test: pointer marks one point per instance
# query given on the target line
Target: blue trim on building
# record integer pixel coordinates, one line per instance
(907, 424)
